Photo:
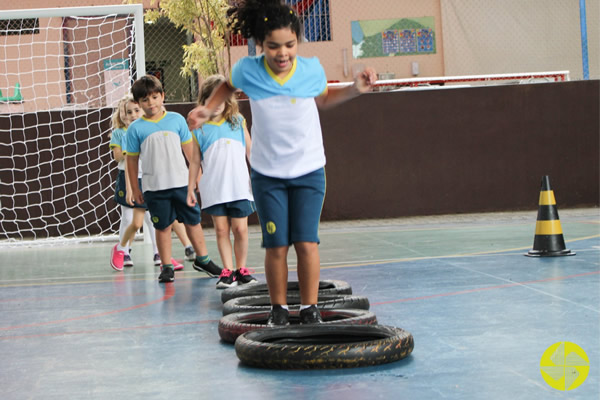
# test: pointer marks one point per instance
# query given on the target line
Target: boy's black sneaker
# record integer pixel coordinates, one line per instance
(210, 268)
(310, 315)
(166, 275)
(278, 316)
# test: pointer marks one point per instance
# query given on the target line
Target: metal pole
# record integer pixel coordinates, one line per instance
(584, 41)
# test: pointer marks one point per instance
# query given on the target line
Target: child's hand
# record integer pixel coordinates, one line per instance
(197, 117)
(365, 80)
(138, 198)
(129, 198)
(191, 198)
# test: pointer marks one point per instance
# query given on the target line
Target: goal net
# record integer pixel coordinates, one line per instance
(61, 72)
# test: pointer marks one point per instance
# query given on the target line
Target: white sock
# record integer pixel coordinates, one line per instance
(304, 306)
(123, 249)
(284, 306)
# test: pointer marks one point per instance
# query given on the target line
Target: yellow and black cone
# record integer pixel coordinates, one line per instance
(549, 240)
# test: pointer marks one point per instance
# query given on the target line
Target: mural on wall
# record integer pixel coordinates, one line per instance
(393, 37)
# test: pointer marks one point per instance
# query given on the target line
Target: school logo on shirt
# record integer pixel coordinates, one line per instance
(271, 228)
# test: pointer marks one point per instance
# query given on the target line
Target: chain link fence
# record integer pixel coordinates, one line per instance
(164, 59)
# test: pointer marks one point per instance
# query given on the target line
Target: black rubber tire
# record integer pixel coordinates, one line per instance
(323, 346)
(260, 289)
(233, 325)
(325, 302)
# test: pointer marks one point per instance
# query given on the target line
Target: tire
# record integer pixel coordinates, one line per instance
(323, 346)
(325, 302)
(233, 325)
(259, 289)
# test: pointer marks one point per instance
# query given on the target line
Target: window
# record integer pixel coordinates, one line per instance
(315, 17)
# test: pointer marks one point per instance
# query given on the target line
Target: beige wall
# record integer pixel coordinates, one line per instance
(344, 11)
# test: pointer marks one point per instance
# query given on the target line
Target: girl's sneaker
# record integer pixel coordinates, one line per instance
(127, 261)
(116, 258)
(177, 266)
(243, 277)
(157, 260)
(226, 279)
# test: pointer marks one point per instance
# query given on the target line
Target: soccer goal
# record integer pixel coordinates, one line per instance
(61, 72)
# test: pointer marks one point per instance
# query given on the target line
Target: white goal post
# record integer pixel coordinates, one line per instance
(62, 70)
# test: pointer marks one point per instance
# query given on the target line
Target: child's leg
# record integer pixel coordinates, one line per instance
(276, 270)
(136, 223)
(239, 227)
(309, 266)
(163, 240)
(222, 228)
(180, 231)
(196, 236)
(126, 219)
(151, 231)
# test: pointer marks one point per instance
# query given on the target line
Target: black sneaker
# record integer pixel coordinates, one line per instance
(242, 276)
(278, 316)
(226, 279)
(310, 315)
(190, 255)
(210, 268)
(166, 275)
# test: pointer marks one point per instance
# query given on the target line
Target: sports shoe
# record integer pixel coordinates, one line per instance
(278, 316)
(157, 260)
(226, 279)
(310, 315)
(166, 275)
(176, 265)
(190, 255)
(116, 258)
(210, 268)
(127, 261)
(243, 277)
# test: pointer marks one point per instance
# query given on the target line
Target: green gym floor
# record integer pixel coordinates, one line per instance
(482, 316)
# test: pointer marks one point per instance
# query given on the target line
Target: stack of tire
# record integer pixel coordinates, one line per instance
(348, 337)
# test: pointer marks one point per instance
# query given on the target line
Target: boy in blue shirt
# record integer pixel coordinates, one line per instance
(158, 138)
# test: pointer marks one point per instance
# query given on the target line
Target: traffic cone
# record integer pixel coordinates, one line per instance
(548, 241)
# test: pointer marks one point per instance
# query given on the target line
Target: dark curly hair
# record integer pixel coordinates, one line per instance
(257, 18)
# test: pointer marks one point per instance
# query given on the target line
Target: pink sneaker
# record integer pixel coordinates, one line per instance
(176, 265)
(116, 259)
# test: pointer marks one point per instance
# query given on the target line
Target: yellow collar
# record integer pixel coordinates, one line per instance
(277, 79)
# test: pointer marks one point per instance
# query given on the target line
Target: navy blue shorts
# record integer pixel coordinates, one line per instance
(166, 206)
(121, 191)
(233, 209)
(289, 210)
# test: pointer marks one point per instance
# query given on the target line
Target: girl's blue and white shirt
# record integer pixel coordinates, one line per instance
(158, 144)
(286, 132)
(116, 140)
(225, 175)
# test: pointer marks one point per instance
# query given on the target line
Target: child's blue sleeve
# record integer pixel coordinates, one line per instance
(131, 142)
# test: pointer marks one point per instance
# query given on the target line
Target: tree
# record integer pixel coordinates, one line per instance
(206, 20)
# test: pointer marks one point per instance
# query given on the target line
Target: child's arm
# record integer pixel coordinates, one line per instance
(118, 155)
(132, 173)
(128, 190)
(192, 153)
(248, 141)
(363, 83)
(202, 113)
